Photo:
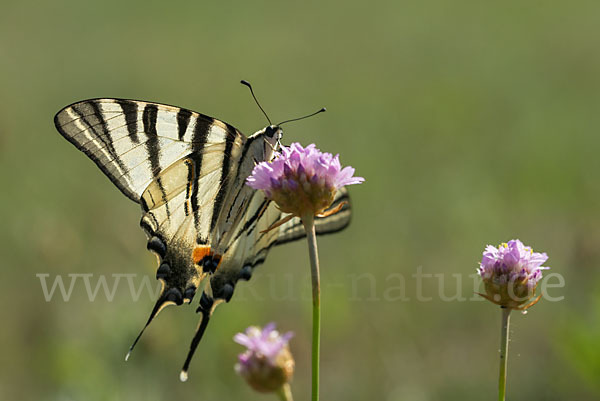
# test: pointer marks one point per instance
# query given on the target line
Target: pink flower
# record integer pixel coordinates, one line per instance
(302, 180)
(267, 363)
(510, 273)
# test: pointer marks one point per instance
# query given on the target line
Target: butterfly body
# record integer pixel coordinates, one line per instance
(188, 173)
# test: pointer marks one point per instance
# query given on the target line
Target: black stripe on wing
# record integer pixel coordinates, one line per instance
(225, 179)
(130, 110)
(149, 117)
(199, 138)
(183, 120)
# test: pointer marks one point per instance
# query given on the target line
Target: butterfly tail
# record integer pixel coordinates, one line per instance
(164, 300)
(206, 308)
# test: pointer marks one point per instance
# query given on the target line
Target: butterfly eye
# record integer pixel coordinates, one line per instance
(270, 131)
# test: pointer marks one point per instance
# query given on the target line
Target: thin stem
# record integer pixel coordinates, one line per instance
(285, 393)
(503, 352)
(309, 226)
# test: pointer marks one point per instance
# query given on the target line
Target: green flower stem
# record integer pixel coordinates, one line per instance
(309, 226)
(285, 393)
(503, 352)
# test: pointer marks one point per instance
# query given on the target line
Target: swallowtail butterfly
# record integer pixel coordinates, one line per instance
(187, 171)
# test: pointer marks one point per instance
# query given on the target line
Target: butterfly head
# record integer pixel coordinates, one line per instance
(273, 132)
(271, 136)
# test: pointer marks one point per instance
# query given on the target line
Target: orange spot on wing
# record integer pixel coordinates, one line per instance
(204, 254)
(200, 252)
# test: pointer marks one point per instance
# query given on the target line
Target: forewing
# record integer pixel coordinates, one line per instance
(133, 141)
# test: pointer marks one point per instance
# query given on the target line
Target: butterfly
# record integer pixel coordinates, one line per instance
(187, 171)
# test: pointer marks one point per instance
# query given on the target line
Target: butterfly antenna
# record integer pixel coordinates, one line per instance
(244, 82)
(302, 118)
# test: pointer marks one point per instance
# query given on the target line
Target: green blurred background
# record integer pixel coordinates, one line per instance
(473, 123)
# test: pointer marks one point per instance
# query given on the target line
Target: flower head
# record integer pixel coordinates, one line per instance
(267, 363)
(302, 180)
(510, 273)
